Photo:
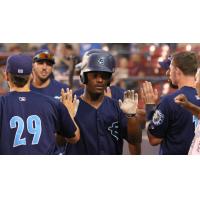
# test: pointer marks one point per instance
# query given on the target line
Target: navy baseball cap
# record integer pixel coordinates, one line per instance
(19, 64)
(166, 63)
(44, 55)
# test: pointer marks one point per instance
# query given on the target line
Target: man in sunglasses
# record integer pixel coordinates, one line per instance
(29, 120)
(43, 82)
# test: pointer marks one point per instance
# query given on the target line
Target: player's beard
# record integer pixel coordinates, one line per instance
(43, 80)
(96, 96)
(173, 85)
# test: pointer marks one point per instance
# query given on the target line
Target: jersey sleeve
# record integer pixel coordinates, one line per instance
(123, 124)
(1, 115)
(65, 124)
(160, 119)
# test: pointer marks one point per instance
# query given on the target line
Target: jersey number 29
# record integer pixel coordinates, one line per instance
(33, 126)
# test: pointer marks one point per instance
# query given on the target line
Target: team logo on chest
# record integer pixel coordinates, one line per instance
(114, 128)
(158, 118)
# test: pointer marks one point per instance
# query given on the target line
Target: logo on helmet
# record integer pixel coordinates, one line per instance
(20, 71)
(101, 61)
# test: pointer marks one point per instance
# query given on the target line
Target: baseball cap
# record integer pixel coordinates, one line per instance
(165, 63)
(19, 64)
(44, 55)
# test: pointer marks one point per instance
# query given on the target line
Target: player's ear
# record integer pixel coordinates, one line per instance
(34, 64)
(6, 76)
(31, 76)
(178, 71)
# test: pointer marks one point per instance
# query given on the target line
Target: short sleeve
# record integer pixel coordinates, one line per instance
(123, 124)
(1, 115)
(160, 119)
(65, 124)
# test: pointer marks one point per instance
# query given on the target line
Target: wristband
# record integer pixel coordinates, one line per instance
(150, 108)
(130, 115)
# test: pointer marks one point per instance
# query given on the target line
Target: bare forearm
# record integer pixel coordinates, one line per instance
(134, 130)
(135, 149)
(193, 108)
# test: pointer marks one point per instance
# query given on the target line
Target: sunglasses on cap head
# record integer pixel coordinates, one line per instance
(44, 56)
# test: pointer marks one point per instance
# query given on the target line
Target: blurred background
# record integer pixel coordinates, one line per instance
(136, 62)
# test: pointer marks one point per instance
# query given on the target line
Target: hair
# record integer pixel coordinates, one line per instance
(68, 46)
(187, 62)
(19, 80)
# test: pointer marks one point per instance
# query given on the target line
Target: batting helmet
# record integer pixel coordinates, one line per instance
(80, 65)
(98, 62)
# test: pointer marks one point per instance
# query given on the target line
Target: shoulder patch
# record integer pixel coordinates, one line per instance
(158, 118)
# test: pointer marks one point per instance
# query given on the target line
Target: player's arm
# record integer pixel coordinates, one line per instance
(134, 149)
(150, 98)
(72, 105)
(182, 100)
(154, 140)
(150, 109)
(141, 114)
(129, 107)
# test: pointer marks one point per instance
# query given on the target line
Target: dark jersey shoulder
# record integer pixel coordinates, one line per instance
(29, 122)
(173, 123)
(53, 89)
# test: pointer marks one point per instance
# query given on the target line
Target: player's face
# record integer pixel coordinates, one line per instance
(170, 81)
(197, 82)
(42, 70)
(172, 74)
(97, 82)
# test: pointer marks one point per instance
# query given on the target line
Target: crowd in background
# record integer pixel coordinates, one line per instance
(136, 62)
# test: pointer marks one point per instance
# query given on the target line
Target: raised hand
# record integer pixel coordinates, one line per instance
(130, 102)
(149, 95)
(70, 103)
(107, 92)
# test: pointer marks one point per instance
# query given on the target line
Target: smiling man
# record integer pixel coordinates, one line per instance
(43, 82)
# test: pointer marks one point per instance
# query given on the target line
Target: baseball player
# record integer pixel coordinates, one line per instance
(112, 91)
(170, 125)
(103, 123)
(42, 82)
(29, 120)
(165, 64)
(182, 100)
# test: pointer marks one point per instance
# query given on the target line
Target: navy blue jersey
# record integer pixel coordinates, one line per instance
(53, 89)
(29, 122)
(117, 92)
(174, 123)
(102, 130)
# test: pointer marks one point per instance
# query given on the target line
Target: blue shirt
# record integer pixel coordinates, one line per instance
(102, 130)
(53, 89)
(117, 92)
(29, 122)
(174, 123)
